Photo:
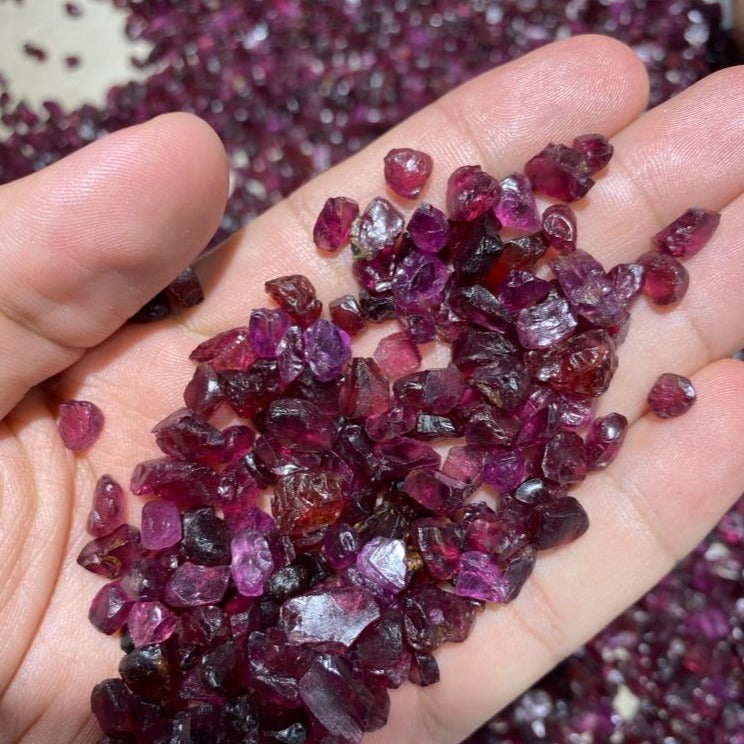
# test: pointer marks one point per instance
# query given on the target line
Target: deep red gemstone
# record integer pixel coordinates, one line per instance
(80, 424)
(665, 280)
(560, 172)
(333, 226)
(407, 171)
(671, 395)
(688, 234)
(106, 513)
(470, 193)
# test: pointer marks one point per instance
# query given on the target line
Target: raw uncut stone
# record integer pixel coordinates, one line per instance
(341, 544)
(112, 554)
(206, 537)
(470, 193)
(439, 543)
(305, 501)
(394, 422)
(397, 457)
(230, 349)
(176, 480)
(430, 426)
(397, 355)
(252, 562)
(604, 439)
(290, 356)
(432, 617)
(381, 653)
(106, 513)
(688, 234)
(564, 458)
(80, 424)
(367, 390)
(671, 395)
(665, 280)
(504, 469)
(295, 294)
(186, 289)
(560, 172)
(347, 315)
(333, 227)
(407, 171)
(161, 525)
(429, 228)
(559, 227)
(192, 585)
(627, 281)
(382, 562)
(505, 382)
(557, 522)
(480, 577)
(472, 348)
(187, 436)
(546, 324)
(432, 391)
(521, 289)
(266, 328)
(110, 608)
(419, 281)
(464, 464)
(300, 425)
(516, 207)
(203, 394)
(331, 618)
(438, 492)
(327, 349)
(150, 622)
(376, 229)
(596, 149)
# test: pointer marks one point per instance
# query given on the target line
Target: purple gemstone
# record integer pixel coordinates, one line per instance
(546, 324)
(407, 171)
(397, 355)
(161, 525)
(291, 355)
(429, 228)
(192, 585)
(381, 653)
(627, 281)
(465, 464)
(557, 522)
(107, 511)
(596, 150)
(347, 315)
(176, 480)
(333, 226)
(382, 562)
(376, 229)
(671, 395)
(267, 327)
(688, 234)
(587, 288)
(187, 436)
(504, 470)
(80, 424)
(560, 172)
(438, 492)
(366, 392)
(604, 439)
(300, 425)
(438, 543)
(203, 394)
(516, 207)
(113, 554)
(252, 562)
(431, 391)
(521, 289)
(564, 459)
(419, 281)
(470, 193)
(665, 280)
(480, 577)
(150, 622)
(109, 608)
(327, 349)
(472, 348)
(341, 545)
(559, 227)
(395, 422)
(238, 442)
(432, 617)
(329, 618)
(397, 457)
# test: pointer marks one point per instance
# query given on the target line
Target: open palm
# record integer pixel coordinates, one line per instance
(88, 240)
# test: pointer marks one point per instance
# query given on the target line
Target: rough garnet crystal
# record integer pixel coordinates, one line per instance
(186, 289)
(564, 458)
(376, 229)
(382, 562)
(206, 537)
(266, 329)
(438, 542)
(80, 424)
(472, 348)
(341, 544)
(596, 149)
(433, 390)
(604, 439)
(505, 382)
(397, 355)
(671, 395)
(203, 394)
(429, 228)
(252, 562)
(174, 479)
(399, 456)
(295, 294)
(300, 425)
(627, 281)
(470, 193)
(161, 525)
(150, 622)
(438, 492)
(504, 469)
(394, 422)
(559, 227)
(407, 171)
(560, 172)
(432, 617)
(333, 226)
(381, 653)
(419, 281)
(110, 608)
(187, 436)
(688, 234)
(108, 504)
(480, 577)
(347, 315)
(516, 207)
(305, 501)
(665, 280)
(192, 585)
(327, 349)
(113, 554)
(331, 618)
(366, 392)
(520, 289)
(545, 324)
(557, 522)
(227, 350)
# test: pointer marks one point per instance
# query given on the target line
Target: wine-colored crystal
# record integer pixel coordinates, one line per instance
(150, 622)
(516, 207)
(665, 280)
(333, 226)
(397, 355)
(604, 439)
(110, 608)
(671, 395)
(560, 172)
(80, 424)
(252, 562)
(376, 229)
(161, 525)
(688, 234)
(596, 149)
(327, 349)
(346, 314)
(106, 513)
(407, 171)
(112, 554)
(429, 228)
(305, 501)
(470, 193)
(192, 585)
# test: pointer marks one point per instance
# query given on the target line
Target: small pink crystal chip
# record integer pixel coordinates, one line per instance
(150, 622)
(688, 234)
(161, 525)
(333, 226)
(671, 395)
(470, 193)
(407, 171)
(560, 172)
(559, 227)
(665, 280)
(109, 608)
(106, 514)
(382, 562)
(429, 228)
(596, 149)
(516, 207)
(80, 424)
(397, 355)
(252, 562)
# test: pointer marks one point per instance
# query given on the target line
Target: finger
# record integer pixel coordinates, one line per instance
(88, 240)
(646, 511)
(497, 120)
(690, 151)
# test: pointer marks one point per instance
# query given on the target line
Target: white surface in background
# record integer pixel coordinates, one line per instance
(97, 37)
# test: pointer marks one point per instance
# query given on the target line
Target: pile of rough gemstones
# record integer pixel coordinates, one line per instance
(240, 626)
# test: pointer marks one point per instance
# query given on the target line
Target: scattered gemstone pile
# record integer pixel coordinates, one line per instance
(293, 627)
(690, 682)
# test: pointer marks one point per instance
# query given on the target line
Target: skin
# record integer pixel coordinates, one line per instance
(86, 241)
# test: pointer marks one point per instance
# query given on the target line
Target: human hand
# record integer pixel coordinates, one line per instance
(122, 217)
